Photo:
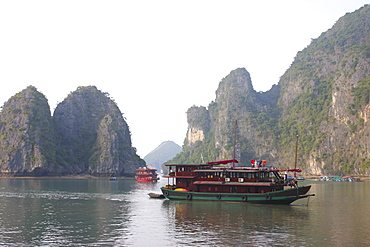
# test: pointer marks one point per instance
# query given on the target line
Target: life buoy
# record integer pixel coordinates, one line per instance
(268, 197)
(218, 196)
(189, 196)
(245, 198)
(166, 193)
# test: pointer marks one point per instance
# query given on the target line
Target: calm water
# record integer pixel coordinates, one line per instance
(99, 212)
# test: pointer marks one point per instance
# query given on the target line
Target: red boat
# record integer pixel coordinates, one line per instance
(220, 181)
(145, 174)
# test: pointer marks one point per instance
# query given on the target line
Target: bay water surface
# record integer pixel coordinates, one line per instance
(100, 212)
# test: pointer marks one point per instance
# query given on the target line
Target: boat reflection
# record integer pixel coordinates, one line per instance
(244, 223)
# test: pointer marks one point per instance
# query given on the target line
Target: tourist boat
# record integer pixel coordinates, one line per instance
(146, 174)
(225, 182)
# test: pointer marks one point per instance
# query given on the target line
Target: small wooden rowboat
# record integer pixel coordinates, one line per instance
(156, 196)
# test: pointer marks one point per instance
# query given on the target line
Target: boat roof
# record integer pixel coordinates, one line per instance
(215, 168)
(235, 168)
(221, 162)
(146, 168)
(186, 165)
(224, 162)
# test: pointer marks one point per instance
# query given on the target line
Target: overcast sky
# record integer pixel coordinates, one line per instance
(155, 58)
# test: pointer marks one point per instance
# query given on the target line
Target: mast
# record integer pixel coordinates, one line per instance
(234, 152)
(296, 156)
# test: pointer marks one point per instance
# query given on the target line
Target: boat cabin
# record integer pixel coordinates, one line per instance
(218, 178)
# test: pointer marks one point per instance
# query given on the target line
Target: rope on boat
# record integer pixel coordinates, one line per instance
(306, 205)
(308, 199)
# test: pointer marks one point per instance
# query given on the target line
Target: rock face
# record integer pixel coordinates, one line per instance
(325, 93)
(86, 135)
(93, 136)
(323, 98)
(211, 131)
(198, 120)
(27, 141)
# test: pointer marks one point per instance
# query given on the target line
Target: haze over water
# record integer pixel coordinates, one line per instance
(100, 212)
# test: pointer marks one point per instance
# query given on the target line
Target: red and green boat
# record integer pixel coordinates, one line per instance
(225, 182)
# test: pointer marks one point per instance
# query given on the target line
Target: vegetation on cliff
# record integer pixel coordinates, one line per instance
(323, 98)
(87, 134)
(27, 141)
(92, 135)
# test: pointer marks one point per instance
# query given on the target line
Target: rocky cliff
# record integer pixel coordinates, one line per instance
(27, 141)
(86, 135)
(92, 135)
(212, 131)
(323, 98)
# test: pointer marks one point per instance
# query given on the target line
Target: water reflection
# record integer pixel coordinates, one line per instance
(99, 212)
(340, 213)
(60, 212)
(209, 223)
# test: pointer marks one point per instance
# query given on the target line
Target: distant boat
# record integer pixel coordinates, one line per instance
(145, 174)
(113, 178)
(331, 178)
(351, 179)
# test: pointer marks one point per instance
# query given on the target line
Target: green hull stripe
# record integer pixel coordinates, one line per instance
(234, 197)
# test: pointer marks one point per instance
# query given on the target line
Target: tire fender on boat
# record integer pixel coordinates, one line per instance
(245, 198)
(166, 193)
(268, 197)
(218, 196)
(189, 196)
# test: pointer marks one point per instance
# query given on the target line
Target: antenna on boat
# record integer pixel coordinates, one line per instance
(234, 152)
(296, 156)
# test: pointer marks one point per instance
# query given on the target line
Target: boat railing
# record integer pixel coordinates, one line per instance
(170, 187)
